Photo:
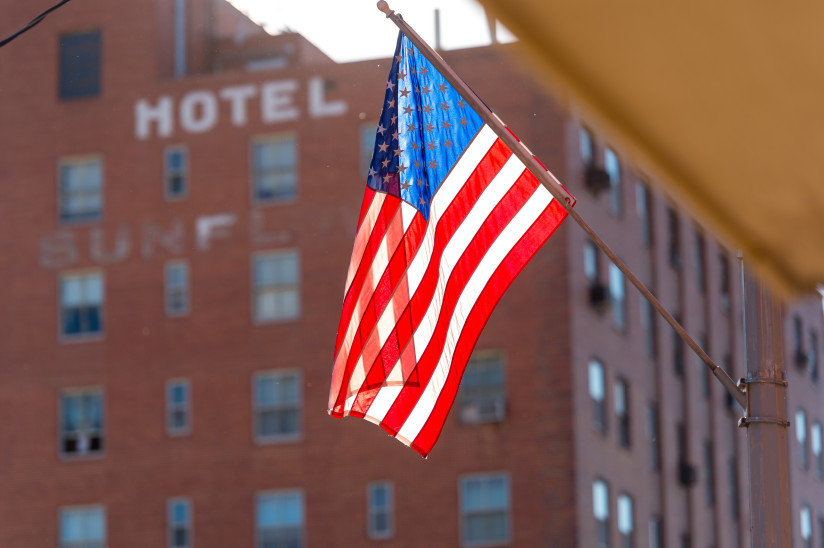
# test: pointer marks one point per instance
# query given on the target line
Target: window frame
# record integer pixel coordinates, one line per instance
(82, 336)
(277, 439)
(260, 495)
(169, 290)
(63, 510)
(618, 297)
(602, 525)
(816, 436)
(616, 198)
(625, 503)
(80, 160)
(621, 403)
(65, 90)
(598, 406)
(257, 290)
(273, 138)
(477, 395)
(173, 524)
(169, 173)
(388, 510)
(507, 509)
(802, 437)
(101, 431)
(172, 407)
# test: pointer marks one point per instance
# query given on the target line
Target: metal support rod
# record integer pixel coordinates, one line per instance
(766, 420)
(557, 190)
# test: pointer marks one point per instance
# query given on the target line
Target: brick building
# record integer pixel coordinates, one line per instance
(179, 198)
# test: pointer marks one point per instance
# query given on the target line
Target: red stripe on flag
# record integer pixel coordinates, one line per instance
(500, 281)
(498, 219)
(448, 223)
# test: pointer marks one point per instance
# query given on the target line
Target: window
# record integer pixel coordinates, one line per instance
(482, 395)
(700, 262)
(613, 169)
(591, 262)
(652, 436)
(274, 169)
(81, 422)
(178, 408)
(276, 278)
(812, 357)
(279, 519)
(655, 532)
(586, 146)
(821, 534)
(801, 436)
(379, 511)
(677, 350)
(81, 189)
(367, 147)
(621, 402)
(175, 172)
(277, 406)
(484, 510)
(674, 232)
(626, 524)
(177, 288)
(798, 342)
(806, 526)
(600, 511)
(732, 475)
(648, 326)
(709, 474)
(597, 392)
(724, 265)
(617, 297)
(180, 38)
(81, 304)
(180, 523)
(83, 527)
(80, 65)
(642, 206)
(815, 445)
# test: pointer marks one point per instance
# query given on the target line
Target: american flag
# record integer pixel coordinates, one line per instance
(449, 218)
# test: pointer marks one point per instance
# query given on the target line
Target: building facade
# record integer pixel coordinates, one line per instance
(180, 197)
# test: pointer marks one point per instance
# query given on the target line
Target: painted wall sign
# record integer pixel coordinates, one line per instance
(69, 247)
(200, 110)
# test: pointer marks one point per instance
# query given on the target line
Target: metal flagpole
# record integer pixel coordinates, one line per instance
(766, 419)
(558, 192)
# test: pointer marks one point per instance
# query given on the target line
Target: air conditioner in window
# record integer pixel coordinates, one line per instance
(687, 475)
(486, 410)
(596, 179)
(598, 295)
(800, 359)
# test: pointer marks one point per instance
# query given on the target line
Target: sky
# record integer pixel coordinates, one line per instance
(352, 30)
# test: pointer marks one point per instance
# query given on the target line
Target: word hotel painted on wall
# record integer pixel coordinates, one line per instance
(200, 110)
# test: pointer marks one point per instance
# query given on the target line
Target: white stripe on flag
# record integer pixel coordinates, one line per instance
(362, 236)
(498, 187)
(508, 238)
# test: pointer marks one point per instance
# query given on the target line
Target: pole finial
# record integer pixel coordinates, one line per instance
(384, 7)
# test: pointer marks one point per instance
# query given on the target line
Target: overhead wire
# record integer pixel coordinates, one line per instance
(32, 23)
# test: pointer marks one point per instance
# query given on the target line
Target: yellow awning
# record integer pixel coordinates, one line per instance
(721, 103)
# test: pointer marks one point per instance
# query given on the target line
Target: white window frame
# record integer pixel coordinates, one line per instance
(172, 291)
(86, 510)
(600, 511)
(259, 290)
(169, 172)
(612, 165)
(626, 520)
(621, 404)
(86, 303)
(597, 388)
(801, 437)
(259, 408)
(806, 526)
(374, 510)
(262, 497)
(285, 171)
(506, 509)
(174, 524)
(483, 403)
(173, 407)
(85, 431)
(816, 449)
(618, 297)
(87, 192)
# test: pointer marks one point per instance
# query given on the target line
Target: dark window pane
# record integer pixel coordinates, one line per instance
(80, 65)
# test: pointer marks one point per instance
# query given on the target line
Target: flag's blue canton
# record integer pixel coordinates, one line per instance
(424, 128)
